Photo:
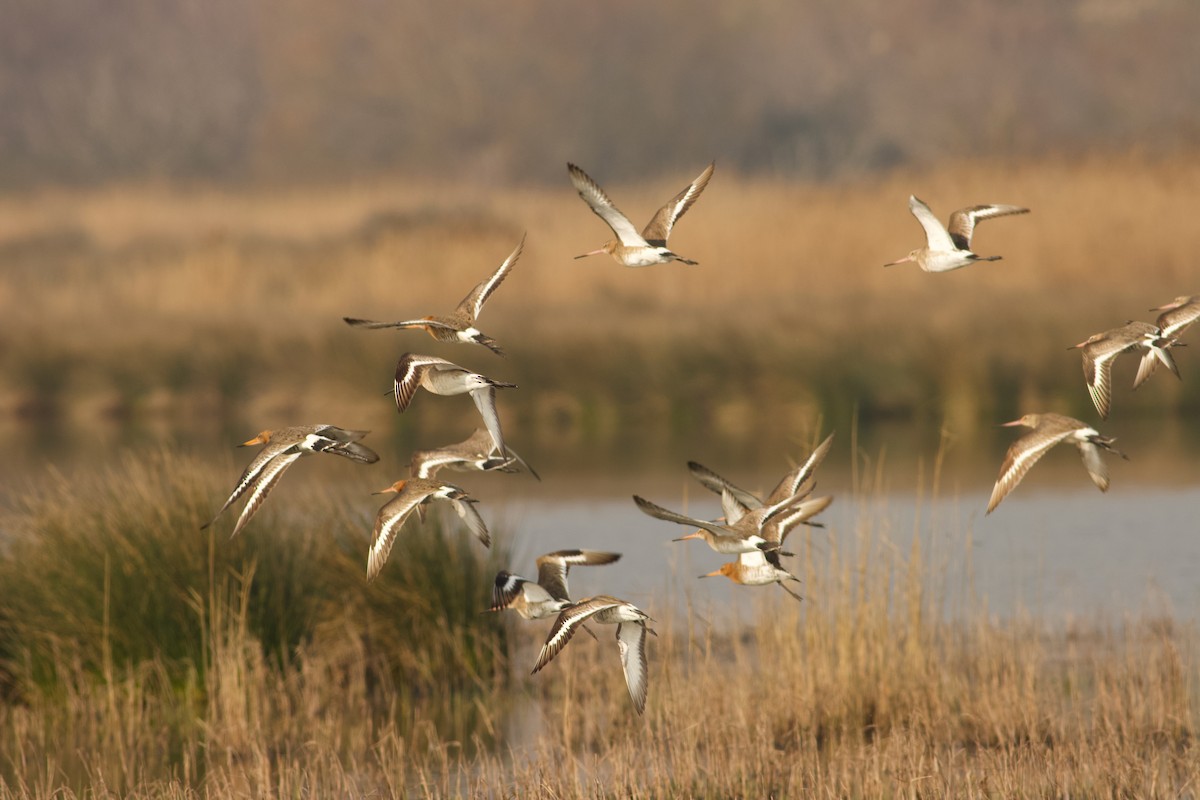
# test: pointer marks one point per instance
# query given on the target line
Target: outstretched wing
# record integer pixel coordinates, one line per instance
(408, 323)
(797, 481)
(250, 475)
(598, 201)
(1179, 315)
(472, 304)
(659, 228)
(266, 481)
(963, 221)
(388, 522)
(631, 639)
(716, 483)
(342, 442)
(553, 568)
(1021, 455)
(658, 512)
(465, 507)
(485, 401)
(410, 369)
(569, 619)
(935, 235)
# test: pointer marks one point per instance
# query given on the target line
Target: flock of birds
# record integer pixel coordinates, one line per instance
(753, 528)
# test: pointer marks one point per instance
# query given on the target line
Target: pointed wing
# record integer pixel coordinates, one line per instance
(509, 587)
(936, 237)
(732, 508)
(472, 304)
(408, 323)
(1094, 463)
(786, 522)
(631, 639)
(342, 442)
(598, 201)
(388, 522)
(506, 464)
(963, 221)
(1097, 371)
(658, 512)
(485, 401)
(410, 369)
(553, 568)
(778, 510)
(426, 463)
(505, 589)
(796, 481)
(250, 475)
(266, 481)
(569, 619)
(1021, 455)
(465, 507)
(716, 483)
(1177, 319)
(659, 228)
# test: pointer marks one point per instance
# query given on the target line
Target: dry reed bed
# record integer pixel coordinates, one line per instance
(865, 690)
(197, 303)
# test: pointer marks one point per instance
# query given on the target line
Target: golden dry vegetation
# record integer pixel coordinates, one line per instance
(866, 689)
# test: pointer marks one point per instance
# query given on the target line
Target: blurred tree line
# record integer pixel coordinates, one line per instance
(275, 91)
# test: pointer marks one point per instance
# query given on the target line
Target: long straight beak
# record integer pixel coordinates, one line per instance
(711, 574)
(696, 535)
(1012, 424)
(904, 260)
(591, 253)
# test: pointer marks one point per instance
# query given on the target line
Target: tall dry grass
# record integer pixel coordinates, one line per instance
(866, 689)
(137, 649)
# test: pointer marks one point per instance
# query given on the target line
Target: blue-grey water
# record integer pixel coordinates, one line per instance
(1056, 547)
(1058, 553)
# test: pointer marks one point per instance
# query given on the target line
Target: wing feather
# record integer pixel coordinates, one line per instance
(715, 483)
(569, 619)
(1021, 456)
(408, 323)
(963, 221)
(553, 568)
(936, 237)
(631, 639)
(603, 207)
(795, 481)
(472, 304)
(388, 522)
(660, 226)
(266, 481)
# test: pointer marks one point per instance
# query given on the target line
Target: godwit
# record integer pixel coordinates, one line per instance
(439, 376)
(631, 248)
(741, 535)
(800, 481)
(476, 453)
(631, 638)
(410, 495)
(459, 325)
(1101, 349)
(549, 595)
(1178, 314)
(1049, 430)
(756, 569)
(944, 249)
(283, 447)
